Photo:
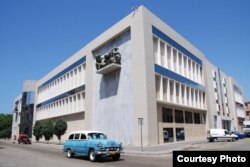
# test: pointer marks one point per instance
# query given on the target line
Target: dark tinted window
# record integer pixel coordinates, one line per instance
(188, 117)
(77, 136)
(167, 115)
(179, 116)
(71, 136)
(197, 118)
(83, 136)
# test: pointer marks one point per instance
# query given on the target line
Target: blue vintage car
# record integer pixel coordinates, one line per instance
(93, 144)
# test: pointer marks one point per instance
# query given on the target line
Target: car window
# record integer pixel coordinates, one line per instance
(97, 136)
(71, 136)
(227, 132)
(83, 136)
(77, 135)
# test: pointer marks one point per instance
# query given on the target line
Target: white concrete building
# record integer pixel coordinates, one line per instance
(160, 78)
(225, 100)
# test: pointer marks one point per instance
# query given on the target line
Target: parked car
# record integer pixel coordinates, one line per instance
(240, 135)
(23, 139)
(93, 144)
(220, 135)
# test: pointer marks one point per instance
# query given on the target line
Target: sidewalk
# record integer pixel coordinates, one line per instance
(162, 149)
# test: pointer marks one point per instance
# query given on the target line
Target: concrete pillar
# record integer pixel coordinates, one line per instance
(161, 88)
(174, 91)
(168, 90)
(165, 56)
(159, 51)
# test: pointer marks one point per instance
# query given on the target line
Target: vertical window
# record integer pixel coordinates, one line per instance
(167, 115)
(197, 119)
(180, 134)
(188, 117)
(179, 116)
(77, 136)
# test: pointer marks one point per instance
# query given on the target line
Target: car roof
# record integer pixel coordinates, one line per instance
(85, 132)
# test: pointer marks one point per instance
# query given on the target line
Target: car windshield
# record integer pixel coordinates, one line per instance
(97, 136)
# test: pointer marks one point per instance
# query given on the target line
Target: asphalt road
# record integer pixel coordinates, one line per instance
(49, 155)
(34, 155)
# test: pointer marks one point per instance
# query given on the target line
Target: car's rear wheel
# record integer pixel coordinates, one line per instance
(69, 154)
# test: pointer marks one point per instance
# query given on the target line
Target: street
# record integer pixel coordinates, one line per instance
(50, 155)
(42, 155)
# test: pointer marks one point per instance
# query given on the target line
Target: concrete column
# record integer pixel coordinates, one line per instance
(195, 73)
(159, 51)
(168, 90)
(161, 88)
(185, 95)
(191, 71)
(182, 65)
(198, 99)
(177, 63)
(187, 69)
(171, 58)
(195, 102)
(180, 95)
(165, 56)
(198, 74)
(190, 97)
(202, 103)
(174, 91)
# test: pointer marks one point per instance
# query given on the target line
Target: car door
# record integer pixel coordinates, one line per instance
(81, 145)
(76, 143)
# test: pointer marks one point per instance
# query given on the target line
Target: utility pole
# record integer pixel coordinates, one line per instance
(140, 122)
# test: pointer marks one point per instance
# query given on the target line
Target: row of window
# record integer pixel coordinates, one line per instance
(225, 107)
(172, 91)
(68, 105)
(68, 81)
(172, 59)
(179, 116)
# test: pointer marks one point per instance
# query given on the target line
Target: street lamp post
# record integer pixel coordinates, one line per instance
(140, 122)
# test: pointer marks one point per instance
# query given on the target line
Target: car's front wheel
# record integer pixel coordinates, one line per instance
(92, 156)
(116, 157)
(69, 154)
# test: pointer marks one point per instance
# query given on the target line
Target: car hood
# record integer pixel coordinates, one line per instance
(106, 142)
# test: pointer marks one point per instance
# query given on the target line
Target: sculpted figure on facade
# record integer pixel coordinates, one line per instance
(113, 56)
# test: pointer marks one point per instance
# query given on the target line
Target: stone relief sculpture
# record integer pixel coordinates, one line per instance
(113, 56)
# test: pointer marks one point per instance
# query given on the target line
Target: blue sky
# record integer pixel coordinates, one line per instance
(38, 35)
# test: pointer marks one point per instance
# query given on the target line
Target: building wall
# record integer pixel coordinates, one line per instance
(113, 100)
(74, 122)
(165, 51)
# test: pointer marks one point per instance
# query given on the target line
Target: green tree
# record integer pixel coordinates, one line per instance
(5, 121)
(38, 130)
(60, 129)
(48, 130)
(5, 125)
